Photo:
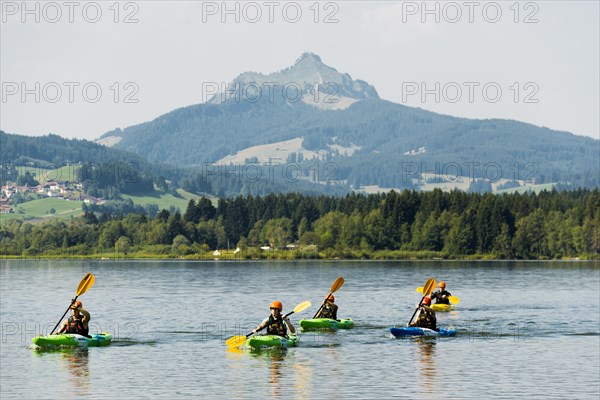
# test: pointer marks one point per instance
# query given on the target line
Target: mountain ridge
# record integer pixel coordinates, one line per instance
(387, 135)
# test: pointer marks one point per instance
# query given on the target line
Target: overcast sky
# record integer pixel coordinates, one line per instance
(84, 68)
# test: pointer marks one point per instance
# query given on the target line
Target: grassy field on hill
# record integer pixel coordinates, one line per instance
(165, 200)
(43, 175)
(42, 209)
(528, 189)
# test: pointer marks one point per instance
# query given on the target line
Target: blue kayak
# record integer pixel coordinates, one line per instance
(400, 331)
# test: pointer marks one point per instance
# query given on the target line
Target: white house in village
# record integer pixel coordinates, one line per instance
(9, 190)
(6, 209)
(53, 188)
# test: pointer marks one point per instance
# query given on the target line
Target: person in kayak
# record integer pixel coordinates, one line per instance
(426, 317)
(441, 296)
(78, 322)
(275, 323)
(329, 308)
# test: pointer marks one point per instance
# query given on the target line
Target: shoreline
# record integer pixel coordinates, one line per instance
(159, 257)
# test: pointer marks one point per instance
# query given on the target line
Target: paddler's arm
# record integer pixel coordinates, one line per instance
(416, 320)
(62, 328)
(86, 317)
(289, 325)
(335, 309)
(261, 326)
(428, 308)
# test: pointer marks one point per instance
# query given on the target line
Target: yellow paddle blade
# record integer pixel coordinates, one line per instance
(429, 286)
(85, 284)
(419, 289)
(337, 284)
(454, 299)
(235, 341)
(302, 306)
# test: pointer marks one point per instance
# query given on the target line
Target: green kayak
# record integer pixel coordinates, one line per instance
(265, 341)
(326, 323)
(72, 339)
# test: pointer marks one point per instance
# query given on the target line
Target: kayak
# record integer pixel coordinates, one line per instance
(265, 341)
(326, 323)
(400, 331)
(73, 339)
(442, 307)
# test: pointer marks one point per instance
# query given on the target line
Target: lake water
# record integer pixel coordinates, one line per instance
(527, 330)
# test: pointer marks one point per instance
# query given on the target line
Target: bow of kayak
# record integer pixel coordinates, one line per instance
(73, 340)
(326, 323)
(266, 341)
(401, 331)
(442, 307)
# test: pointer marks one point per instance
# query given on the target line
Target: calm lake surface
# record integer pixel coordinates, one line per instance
(527, 330)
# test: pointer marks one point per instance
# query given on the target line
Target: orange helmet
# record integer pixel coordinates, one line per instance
(276, 304)
(442, 284)
(330, 298)
(427, 301)
(75, 305)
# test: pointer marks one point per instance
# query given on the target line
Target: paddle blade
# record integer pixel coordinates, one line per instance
(302, 306)
(429, 286)
(236, 341)
(85, 284)
(454, 299)
(337, 284)
(419, 289)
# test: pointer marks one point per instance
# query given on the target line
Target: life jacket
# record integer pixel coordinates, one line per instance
(329, 310)
(276, 326)
(426, 319)
(438, 297)
(75, 325)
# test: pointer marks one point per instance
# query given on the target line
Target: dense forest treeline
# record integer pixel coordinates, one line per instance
(439, 224)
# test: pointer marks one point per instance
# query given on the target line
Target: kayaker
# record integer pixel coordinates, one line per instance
(426, 317)
(441, 296)
(276, 323)
(329, 309)
(78, 322)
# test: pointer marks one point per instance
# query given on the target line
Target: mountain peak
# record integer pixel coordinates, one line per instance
(308, 73)
(309, 55)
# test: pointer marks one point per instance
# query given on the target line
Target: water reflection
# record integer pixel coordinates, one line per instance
(275, 359)
(304, 382)
(234, 352)
(76, 362)
(426, 363)
(285, 373)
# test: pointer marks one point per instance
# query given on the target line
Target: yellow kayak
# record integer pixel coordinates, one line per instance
(442, 307)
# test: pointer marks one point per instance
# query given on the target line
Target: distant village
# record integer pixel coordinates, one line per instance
(69, 191)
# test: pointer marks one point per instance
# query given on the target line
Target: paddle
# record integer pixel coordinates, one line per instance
(334, 288)
(427, 289)
(239, 340)
(453, 299)
(84, 285)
